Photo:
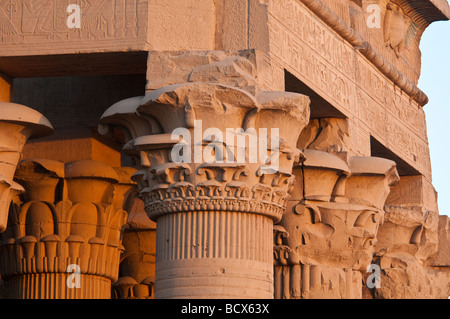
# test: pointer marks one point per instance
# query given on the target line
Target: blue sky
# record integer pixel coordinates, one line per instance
(434, 81)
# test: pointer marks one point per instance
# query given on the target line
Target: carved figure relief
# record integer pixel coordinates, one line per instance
(36, 16)
(395, 29)
(98, 19)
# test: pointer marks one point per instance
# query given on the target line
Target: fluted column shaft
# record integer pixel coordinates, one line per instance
(209, 254)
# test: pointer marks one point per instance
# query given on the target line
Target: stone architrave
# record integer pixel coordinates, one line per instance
(18, 123)
(215, 215)
(63, 239)
(327, 238)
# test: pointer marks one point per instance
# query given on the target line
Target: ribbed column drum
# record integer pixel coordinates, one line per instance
(54, 286)
(214, 254)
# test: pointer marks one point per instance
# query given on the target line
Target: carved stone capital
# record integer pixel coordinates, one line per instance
(18, 123)
(324, 176)
(69, 216)
(371, 180)
(228, 186)
(332, 230)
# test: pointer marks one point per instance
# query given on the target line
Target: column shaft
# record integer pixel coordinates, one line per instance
(214, 254)
(54, 286)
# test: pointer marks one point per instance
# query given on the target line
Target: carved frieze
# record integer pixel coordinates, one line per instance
(27, 22)
(307, 47)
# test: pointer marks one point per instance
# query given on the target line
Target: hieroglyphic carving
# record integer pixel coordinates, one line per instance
(36, 17)
(294, 279)
(370, 114)
(393, 125)
(7, 29)
(33, 21)
(321, 74)
(371, 81)
(414, 150)
(312, 52)
(313, 33)
(389, 97)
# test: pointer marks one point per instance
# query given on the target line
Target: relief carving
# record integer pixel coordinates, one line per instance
(331, 232)
(305, 31)
(395, 28)
(407, 243)
(31, 21)
(36, 16)
(7, 28)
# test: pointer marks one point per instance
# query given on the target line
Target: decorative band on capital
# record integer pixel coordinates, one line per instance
(173, 188)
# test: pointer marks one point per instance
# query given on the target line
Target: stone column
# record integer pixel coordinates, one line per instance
(18, 123)
(215, 215)
(330, 229)
(63, 240)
